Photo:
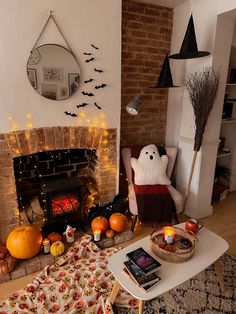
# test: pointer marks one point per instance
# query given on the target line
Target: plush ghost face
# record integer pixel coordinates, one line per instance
(150, 168)
(148, 154)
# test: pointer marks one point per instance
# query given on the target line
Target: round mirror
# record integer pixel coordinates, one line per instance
(53, 71)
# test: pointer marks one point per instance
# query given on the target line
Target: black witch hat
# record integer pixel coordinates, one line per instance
(189, 49)
(165, 78)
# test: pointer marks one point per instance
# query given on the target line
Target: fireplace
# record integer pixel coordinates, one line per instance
(28, 142)
(62, 200)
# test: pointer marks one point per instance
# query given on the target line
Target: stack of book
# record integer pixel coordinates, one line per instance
(142, 268)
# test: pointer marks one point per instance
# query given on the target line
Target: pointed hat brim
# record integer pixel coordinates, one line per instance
(164, 86)
(197, 54)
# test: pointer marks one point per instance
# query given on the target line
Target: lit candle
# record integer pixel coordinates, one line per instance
(46, 246)
(169, 234)
(97, 235)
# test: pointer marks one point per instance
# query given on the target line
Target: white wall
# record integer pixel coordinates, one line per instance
(82, 22)
(180, 120)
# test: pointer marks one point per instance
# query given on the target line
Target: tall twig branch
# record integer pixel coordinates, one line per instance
(202, 89)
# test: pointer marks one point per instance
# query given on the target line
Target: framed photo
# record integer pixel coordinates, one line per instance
(32, 77)
(73, 81)
(49, 91)
(63, 92)
(52, 74)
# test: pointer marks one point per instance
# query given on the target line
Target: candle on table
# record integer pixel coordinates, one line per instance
(169, 234)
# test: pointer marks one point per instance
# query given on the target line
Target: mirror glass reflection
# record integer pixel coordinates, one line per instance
(53, 71)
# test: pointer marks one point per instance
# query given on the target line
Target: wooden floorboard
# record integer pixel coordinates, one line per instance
(222, 222)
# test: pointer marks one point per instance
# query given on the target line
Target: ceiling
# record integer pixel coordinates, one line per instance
(165, 3)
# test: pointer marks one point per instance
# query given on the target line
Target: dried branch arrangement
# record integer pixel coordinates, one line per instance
(202, 89)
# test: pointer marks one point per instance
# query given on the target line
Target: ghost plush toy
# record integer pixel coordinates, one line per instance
(150, 168)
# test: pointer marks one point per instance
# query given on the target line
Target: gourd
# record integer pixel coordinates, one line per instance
(24, 242)
(99, 223)
(118, 222)
(7, 264)
(53, 237)
(57, 248)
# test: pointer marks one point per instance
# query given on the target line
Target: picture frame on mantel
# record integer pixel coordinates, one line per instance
(32, 75)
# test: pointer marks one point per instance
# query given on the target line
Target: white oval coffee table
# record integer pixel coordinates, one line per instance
(208, 251)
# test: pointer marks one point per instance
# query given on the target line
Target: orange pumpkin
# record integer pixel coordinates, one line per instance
(118, 222)
(109, 233)
(24, 242)
(99, 223)
(53, 237)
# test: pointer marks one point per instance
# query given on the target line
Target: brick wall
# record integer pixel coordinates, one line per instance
(146, 38)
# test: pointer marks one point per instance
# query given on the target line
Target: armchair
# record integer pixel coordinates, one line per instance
(133, 206)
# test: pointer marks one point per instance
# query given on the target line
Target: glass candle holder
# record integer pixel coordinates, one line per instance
(97, 235)
(169, 234)
(46, 246)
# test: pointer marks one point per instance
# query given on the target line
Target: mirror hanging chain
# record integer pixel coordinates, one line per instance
(59, 30)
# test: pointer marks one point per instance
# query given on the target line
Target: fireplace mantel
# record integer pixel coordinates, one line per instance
(26, 142)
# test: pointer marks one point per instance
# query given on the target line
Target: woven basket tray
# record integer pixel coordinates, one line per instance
(172, 252)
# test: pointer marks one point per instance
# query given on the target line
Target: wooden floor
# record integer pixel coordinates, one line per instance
(222, 222)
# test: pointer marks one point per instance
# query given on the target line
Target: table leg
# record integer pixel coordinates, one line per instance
(114, 291)
(140, 306)
(219, 273)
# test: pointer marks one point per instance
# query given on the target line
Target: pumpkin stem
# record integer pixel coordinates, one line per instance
(20, 220)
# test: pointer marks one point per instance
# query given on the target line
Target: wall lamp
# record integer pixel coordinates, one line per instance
(134, 105)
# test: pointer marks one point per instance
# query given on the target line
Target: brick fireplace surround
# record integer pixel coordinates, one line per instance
(27, 142)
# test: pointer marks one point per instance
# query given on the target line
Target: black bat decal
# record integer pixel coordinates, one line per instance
(87, 94)
(100, 86)
(88, 81)
(89, 60)
(87, 53)
(94, 47)
(70, 114)
(95, 104)
(82, 105)
(98, 70)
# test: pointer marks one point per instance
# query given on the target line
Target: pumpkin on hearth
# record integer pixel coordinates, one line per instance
(99, 223)
(118, 222)
(57, 248)
(53, 237)
(24, 241)
(7, 264)
(109, 233)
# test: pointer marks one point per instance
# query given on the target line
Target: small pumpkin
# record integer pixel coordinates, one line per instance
(109, 233)
(24, 242)
(7, 264)
(57, 248)
(53, 237)
(99, 223)
(118, 222)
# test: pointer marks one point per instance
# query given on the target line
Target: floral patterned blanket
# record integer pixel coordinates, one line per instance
(79, 282)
